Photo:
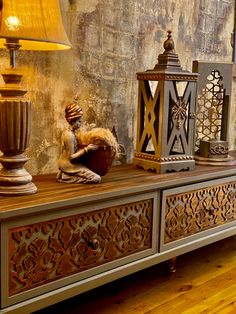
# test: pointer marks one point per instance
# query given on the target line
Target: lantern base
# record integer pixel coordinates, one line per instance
(205, 161)
(163, 165)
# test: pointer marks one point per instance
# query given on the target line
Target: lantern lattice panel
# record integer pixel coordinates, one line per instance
(209, 109)
(147, 137)
(179, 120)
(213, 101)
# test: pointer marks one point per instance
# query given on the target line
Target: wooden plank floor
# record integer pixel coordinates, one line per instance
(205, 282)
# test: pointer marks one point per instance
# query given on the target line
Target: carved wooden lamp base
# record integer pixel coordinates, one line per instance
(15, 126)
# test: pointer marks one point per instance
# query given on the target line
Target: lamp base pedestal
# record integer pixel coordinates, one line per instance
(18, 190)
(14, 179)
(15, 127)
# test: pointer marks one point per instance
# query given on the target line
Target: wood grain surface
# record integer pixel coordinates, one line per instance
(121, 180)
(203, 283)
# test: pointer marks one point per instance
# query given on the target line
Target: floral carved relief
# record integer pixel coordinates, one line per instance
(43, 252)
(198, 210)
(218, 150)
(179, 112)
(209, 111)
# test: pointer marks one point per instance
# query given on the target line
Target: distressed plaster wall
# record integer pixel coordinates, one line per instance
(112, 40)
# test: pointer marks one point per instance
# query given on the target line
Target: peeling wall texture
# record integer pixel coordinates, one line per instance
(112, 40)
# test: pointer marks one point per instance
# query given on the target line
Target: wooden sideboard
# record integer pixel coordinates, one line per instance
(67, 239)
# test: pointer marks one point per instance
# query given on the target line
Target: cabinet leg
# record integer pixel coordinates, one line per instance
(170, 266)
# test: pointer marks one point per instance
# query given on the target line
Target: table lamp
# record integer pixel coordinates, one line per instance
(27, 25)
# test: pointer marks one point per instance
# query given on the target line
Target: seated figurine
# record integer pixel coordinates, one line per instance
(71, 166)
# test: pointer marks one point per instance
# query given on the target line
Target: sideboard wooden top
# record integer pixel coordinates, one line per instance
(120, 181)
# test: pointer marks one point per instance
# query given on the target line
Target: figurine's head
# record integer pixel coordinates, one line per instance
(73, 112)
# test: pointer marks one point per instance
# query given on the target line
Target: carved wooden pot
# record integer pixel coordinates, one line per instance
(100, 161)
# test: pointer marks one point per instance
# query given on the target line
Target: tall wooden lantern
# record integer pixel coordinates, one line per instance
(166, 115)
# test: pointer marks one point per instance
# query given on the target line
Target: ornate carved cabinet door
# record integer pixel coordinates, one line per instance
(50, 251)
(198, 211)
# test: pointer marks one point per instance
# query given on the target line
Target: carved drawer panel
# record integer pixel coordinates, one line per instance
(43, 252)
(196, 208)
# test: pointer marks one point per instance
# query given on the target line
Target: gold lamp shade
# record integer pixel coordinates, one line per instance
(36, 24)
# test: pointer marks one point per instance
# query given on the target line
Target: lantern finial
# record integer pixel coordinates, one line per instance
(169, 43)
(168, 60)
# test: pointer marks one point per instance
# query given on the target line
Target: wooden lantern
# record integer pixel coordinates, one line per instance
(213, 113)
(166, 115)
